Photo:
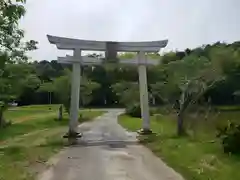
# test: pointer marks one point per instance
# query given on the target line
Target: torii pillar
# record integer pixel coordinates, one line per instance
(77, 61)
(143, 89)
(75, 94)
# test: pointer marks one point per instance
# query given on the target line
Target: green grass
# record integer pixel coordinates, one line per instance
(36, 107)
(22, 160)
(28, 127)
(196, 158)
(31, 121)
(32, 139)
(229, 108)
(23, 113)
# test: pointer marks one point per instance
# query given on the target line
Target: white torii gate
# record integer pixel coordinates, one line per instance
(111, 48)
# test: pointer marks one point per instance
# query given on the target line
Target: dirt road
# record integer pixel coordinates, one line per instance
(108, 152)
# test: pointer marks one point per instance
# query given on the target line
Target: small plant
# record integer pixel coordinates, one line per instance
(3, 122)
(134, 110)
(82, 118)
(230, 137)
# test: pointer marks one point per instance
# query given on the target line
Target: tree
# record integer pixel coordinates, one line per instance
(192, 77)
(167, 92)
(127, 92)
(15, 79)
(45, 71)
(169, 57)
(61, 86)
(12, 50)
(127, 55)
(11, 46)
(86, 91)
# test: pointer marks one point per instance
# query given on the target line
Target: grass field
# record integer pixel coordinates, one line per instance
(34, 136)
(196, 158)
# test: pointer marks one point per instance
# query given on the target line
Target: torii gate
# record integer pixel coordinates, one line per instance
(111, 49)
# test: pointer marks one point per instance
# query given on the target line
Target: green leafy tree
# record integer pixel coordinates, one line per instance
(190, 78)
(86, 91)
(45, 71)
(127, 92)
(169, 57)
(12, 50)
(15, 79)
(61, 86)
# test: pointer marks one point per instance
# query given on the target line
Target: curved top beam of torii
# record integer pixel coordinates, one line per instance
(71, 44)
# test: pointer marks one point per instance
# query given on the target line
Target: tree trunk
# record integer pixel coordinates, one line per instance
(50, 97)
(2, 120)
(180, 127)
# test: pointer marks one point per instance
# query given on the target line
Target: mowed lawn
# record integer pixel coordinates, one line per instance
(32, 139)
(198, 157)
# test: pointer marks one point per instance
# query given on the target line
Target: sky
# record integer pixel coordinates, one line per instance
(185, 23)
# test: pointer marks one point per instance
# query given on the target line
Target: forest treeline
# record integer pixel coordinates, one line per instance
(108, 76)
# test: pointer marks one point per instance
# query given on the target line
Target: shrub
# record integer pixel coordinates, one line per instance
(134, 110)
(230, 137)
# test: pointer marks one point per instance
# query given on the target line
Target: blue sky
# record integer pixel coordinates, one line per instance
(185, 23)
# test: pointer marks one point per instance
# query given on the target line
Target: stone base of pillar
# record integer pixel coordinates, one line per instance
(144, 131)
(72, 135)
(72, 138)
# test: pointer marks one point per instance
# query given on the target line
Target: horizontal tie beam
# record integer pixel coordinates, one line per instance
(85, 60)
(139, 62)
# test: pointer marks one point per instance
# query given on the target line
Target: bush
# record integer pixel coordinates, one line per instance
(230, 137)
(134, 110)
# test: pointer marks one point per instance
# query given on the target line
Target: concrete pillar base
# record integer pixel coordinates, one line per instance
(144, 131)
(72, 135)
(72, 138)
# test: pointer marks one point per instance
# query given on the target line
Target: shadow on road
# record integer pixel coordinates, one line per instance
(110, 143)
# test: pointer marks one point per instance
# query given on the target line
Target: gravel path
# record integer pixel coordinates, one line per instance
(108, 152)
